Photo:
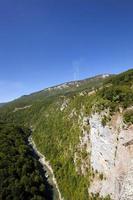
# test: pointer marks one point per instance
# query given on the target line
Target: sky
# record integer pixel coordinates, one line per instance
(47, 42)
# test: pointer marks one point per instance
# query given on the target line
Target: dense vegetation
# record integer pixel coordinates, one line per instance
(57, 129)
(128, 116)
(118, 91)
(20, 177)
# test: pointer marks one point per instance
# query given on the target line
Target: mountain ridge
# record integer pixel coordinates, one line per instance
(64, 123)
(68, 83)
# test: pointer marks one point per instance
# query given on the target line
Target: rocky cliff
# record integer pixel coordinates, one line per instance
(86, 134)
(110, 151)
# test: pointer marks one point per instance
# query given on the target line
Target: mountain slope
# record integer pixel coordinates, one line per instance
(2, 104)
(79, 130)
(20, 174)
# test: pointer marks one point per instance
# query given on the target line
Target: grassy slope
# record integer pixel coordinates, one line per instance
(57, 135)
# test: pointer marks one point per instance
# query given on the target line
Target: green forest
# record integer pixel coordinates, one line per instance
(56, 133)
(20, 171)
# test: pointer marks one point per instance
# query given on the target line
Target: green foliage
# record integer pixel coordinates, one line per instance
(122, 95)
(101, 176)
(62, 136)
(97, 197)
(20, 177)
(128, 117)
(125, 78)
(104, 120)
(56, 133)
(118, 90)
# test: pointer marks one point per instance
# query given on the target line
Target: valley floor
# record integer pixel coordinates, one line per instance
(49, 171)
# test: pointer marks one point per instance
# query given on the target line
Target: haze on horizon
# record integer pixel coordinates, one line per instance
(44, 43)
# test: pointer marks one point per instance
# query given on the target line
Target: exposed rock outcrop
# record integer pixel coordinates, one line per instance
(112, 155)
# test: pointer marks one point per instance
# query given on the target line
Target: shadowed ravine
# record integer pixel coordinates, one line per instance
(49, 174)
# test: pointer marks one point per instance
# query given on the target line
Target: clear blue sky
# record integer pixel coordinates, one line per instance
(46, 42)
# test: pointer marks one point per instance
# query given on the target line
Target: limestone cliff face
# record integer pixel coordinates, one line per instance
(111, 148)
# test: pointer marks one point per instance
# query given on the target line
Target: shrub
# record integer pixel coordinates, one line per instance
(128, 117)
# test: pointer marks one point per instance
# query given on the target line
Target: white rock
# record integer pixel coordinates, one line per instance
(110, 157)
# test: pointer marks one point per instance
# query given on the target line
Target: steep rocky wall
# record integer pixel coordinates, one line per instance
(111, 156)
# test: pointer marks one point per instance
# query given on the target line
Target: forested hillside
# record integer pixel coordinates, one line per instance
(20, 172)
(60, 122)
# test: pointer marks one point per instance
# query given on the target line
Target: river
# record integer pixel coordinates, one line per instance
(49, 174)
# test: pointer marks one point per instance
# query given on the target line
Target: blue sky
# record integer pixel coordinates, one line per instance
(43, 43)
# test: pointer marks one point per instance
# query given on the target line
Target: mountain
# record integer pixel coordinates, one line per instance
(2, 104)
(84, 129)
